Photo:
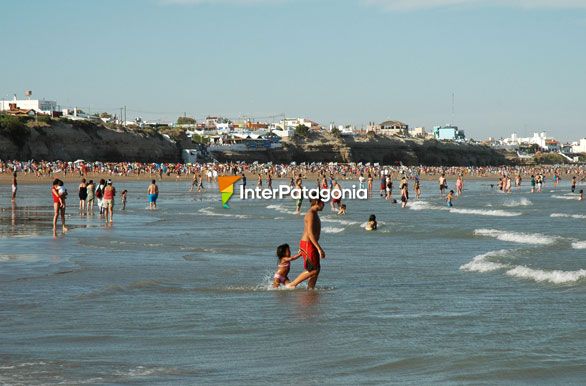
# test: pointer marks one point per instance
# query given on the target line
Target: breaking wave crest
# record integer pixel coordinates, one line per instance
(555, 277)
(517, 237)
(520, 202)
(481, 263)
(482, 212)
(565, 215)
(209, 212)
(281, 209)
(579, 245)
(332, 230)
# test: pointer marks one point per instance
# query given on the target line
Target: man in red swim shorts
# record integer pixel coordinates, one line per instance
(309, 246)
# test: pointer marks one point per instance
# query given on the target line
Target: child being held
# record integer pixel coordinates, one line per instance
(284, 265)
(371, 225)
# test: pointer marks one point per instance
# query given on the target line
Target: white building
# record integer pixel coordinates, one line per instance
(539, 139)
(40, 106)
(345, 130)
(418, 132)
(76, 114)
(579, 147)
(292, 123)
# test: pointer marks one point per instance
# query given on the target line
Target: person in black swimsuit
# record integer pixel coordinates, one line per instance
(82, 195)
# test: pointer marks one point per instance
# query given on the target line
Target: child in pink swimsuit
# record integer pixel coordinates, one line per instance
(285, 258)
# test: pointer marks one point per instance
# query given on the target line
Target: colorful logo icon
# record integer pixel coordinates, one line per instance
(226, 184)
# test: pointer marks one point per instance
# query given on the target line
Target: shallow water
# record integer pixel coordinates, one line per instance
(493, 290)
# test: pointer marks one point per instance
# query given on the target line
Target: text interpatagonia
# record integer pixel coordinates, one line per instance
(285, 191)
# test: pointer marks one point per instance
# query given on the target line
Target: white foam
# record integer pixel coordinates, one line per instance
(281, 208)
(481, 212)
(579, 245)
(555, 277)
(517, 237)
(520, 202)
(332, 230)
(424, 205)
(481, 263)
(573, 197)
(208, 212)
(338, 221)
(565, 215)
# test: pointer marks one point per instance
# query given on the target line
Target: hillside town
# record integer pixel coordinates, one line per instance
(248, 133)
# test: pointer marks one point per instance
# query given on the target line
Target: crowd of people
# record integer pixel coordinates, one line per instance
(268, 171)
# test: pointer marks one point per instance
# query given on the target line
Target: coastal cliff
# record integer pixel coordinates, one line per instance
(325, 147)
(51, 139)
(58, 139)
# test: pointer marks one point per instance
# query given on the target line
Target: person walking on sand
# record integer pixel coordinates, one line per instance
(309, 246)
(153, 192)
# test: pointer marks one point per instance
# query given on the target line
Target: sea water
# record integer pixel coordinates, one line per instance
(492, 290)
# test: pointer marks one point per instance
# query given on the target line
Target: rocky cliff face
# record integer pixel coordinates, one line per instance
(60, 140)
(327, 148)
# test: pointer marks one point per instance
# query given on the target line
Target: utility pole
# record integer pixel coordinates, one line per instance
(453, 108)
(120, 116)
(124, 115)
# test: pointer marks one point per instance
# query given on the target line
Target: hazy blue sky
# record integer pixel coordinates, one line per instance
(514, 65)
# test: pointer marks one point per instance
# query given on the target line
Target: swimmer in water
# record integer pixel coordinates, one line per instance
(342, 210)
(450, 198)
(371, 225)
(581, 198)
(284, 265)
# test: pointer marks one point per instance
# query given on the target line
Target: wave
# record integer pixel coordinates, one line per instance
(579, 245)
(208, 212)
(481, 263)
(338, 221)
(555, 277)
(565, 215)
(520, 202)
(572, 197)
(481, 212)
(517, 237)
(332, 230)
(424, 205)
(281, 208)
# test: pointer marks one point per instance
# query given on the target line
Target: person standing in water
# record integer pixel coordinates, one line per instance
(59, 195)
(299, 187)
(459, 185)
(443, 185)
(14, 186)
(153, 192)
(404, 192)
(450, 198)
(417, 188)
(109, 193)
(309, 246)
(90, 196)
(82, 193)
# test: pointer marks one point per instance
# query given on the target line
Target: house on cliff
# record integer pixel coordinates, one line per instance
(389, 128)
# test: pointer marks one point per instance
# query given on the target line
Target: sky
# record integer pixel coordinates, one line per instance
(512, 65)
